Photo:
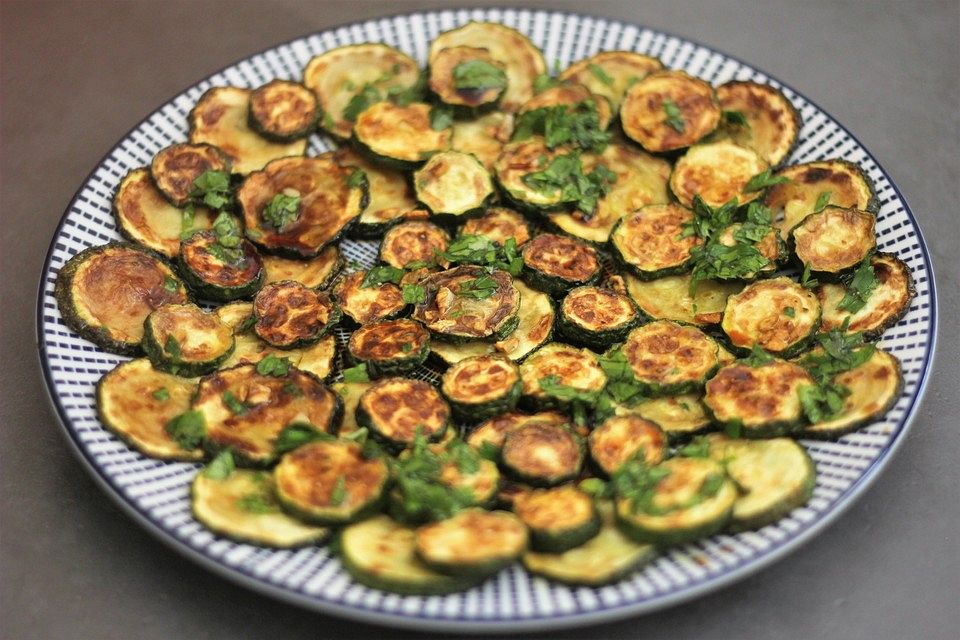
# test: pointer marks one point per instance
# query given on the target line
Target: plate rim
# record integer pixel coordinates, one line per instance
(533, 623)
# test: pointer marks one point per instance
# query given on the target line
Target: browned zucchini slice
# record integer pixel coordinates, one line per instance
(668, 358)
(493, 431)
(364, 305)
(555, 264)
(390, 347)
(596, 317)
(315, 273)
(572, 367)
(519, 159)
(395, 410)
(105, 293)
(291, 315)
(669, 110)
(718, 172)
(467, 78)
(611, 73)
(211, 273)
(283, 111)
(467, 302)
(680, 416)
(669, 298)
(453, 185)
(648, 241)
(186, 340)
(482, 386)
(777, 314)
(328, 201)
(473, 542)
(220, 119)
(499, 224)
(559, 519)
(399, 137)
(757, 401)
(414, 241)
(175, 168)
(483, 137)
(835, 239)
(392, 198)
(885, 306)
(542, 454)
(771, 123)
(619, 438)
(570, 95)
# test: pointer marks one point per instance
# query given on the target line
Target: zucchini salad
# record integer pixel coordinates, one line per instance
(598, 311)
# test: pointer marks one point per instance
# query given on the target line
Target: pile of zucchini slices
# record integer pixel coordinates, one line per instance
(600, 312)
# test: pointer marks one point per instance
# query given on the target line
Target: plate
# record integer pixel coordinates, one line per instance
(156, 493)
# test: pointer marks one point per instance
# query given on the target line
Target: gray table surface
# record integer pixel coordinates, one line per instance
(77, 76)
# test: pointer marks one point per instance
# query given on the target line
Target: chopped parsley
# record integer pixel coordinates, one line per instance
(543, 82)
(227, 232)
(236, 406)
(357, 178)
(422, 495)
(674, 116)
(822, 201)
(763, 180)
(361, 101)
(838, 353)
(699, 447)
(282, 210)
(859, 287)
(565, 175)
(161, 394)
(414, 293)
(186, 222)
(597, 72)
(476, 249)
(577, 125)
(212, 188)
(356, 374)
(440, 118)
(806, 281)
(478, 74)
(187, 429)
(274, 366)
(221, 466)
(479, 288)
(296, 435)
(381, 275)
(172, 347)
(580, 401)
(790, 312)
(736, 118)
(339, 492)
(258, 503)
(757, 358)
(170, 284)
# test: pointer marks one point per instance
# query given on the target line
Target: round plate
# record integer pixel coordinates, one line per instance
(156, 493)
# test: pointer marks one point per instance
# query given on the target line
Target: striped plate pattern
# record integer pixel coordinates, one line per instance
(156, 493)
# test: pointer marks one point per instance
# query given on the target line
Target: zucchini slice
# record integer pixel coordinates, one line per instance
(576, 368)
(760, 315)
(694, 500)
(220, 118)
(467, 302)
(396, 409)
(771, 246)
(283, 111)
(290, 315)
(453, 185)
(451, 83)
(542, 454)
(846, 183)
(649, 241)
(341, 75)
(771, 122)
(522, 61)
(595, 317)
(315, 273)
(535, 326)
(498, 224)
(450, 353)
(480, 387)
(874, 388)
(381, 553)
(364, 305)
(399, 137)
(718, 172)
(146, 217)
(493, 431)
(328, 200)
(669, 298)
(619, 438)
(105, 293)
(885, 306)
(474, 542)
(611, 73)
(246, 411)
(835, 239)
(175, 168)
(414, 241)
(350, 393)
(317, 359)
(570, 95)
(607, 557)
(679, 416)
(519, 159)
(559, 519)
(669, 110)
(186, 340)
(135, 402)
(483, 137)
(330, 482)
(759, 402)
(238, 315)
(390, 347)
(669, 358)
(210, 273)
(243, 507)
(555, 264)
(391, 200)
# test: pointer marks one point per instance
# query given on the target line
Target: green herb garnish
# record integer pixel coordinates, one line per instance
(597, 72)
(361, 101)
(565, 175)
(282, 210)
(478, 74)
(257, 503)
(859, 287)
(674, 116)
(699, 447)
(274, 366)
(790, 312)
(543, 82)
(422, 495)
(233, 403)
(356, 374)
(440, 118)
(559, 125)
(170, 284)
(479, 288)
(339, 492)
(380, 275)
(763, 180)
(221, 466)
(161, 394)
(298, 434)
(212, 188)
(187, 429)
(822, 201)
(757, 358)
(414, 293)
(357, 178)
(172, 347)
(737, 118)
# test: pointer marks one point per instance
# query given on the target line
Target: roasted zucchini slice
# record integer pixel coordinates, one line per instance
(559, 519)
(220, 118)
(694, 499)
(395, 410)
(766, 121)
(483, 137)
(237, 315)
(679, 416)
(885, 306)
(611, 73)
(467, 78)
(105, 293)
(453, 185)
(246, 411)
(668, 358)
(619, 438)
(542, 454)
(492, 432)
(498, 224)
(522, 61)
(186, 340)
(290, 315)
(146, 217)
(135, 402)
(835, 239)
(574, 96)
(669, 298)
(519, 159)
(450, 353)
(391, 200)
(758, 401)
(327, 197)
(364, 305)
(175, 168)
(414, 241)
(669, 110)
(399, 137)
(844, 183)
(213, 274)
(480, 387)
(595, 317)
(572, 367)
(315, 273)
(555, 264)
(474, 542)
(718, 172)
(771, 247)
(317, 359)
(467, 302)
(283, 111)
(390, 347)
(778, 315)
(649, 241)
(350, 393)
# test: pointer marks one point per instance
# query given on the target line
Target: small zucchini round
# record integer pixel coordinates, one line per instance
(596, 318)
(771, 122)
(576, 368)
(679, 416)
(834, 239)
(718, 172)
(555, 264)
(212, 276)
(573, 96)
(414, 241)
(467, 303)
(520, 159)
(392, 198)
(390, 347)
(778, 315)
(453, 185)
(396, 409)
(364, 305)
(669, 110)
(885, 306)
(559, 519)
(669, 298)
(315, 273)
(611, 73)
(483, 137)
(398, 137)
(290, 315)
(175, 168)
(283, 111)
(542, 454)
(185, 340)
(450, 79)
(474, 542)
(668, 358)
(492, 432)
(498, 224)
(649, 241)
(480, 387)
(105, 293)
(618, 439)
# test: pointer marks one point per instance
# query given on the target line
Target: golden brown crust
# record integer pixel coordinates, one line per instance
(388, 339)
(366, 305)
(289, 313)
(480, 378)
(400, 133)
(194, 252)
(308, 475)
(667, 353)
(650, 237)
(499, 224)
(175, 168)
(406, 406)
(796, 199)
(561, 257)
(313, 273)
(525, 449)
(757, 395)
(644, 118)
(442, 65)
(620, 70)
(597, 308)
(758, 315)
(569, 94)
(284, 108)
(495, 429)
(773, 122)
(619, 438)
(718, 172)
(448, 312)
(413, 241)
(553, 509)
(835, 239)
(888, 302)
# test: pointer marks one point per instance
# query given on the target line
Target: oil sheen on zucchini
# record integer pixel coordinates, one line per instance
(559, 519)
(576, 368)
(474, 542)
(669, 110)
(668, 298)
(290, 315)
(186, 340)
(480, 387)
(467, 302)
(315, 273)
(364, 305)
(554, 264)
(399, 137)
(542, 454)
(668, 358)
(390, 347)
(771, 123)
(885, 305)
(778, 314)
(396, 409)
(283, 111)
(175, 168)
(453, 184)
(595, 317)
(834, 239)
(414, 241)
(211, 275)
(718, 172)
(611, 73)
(619, 438)
(648, 241)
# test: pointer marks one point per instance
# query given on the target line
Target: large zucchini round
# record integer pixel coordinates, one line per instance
(777, 314)
(453, 313)
(212, 276)
(555, 264)
(542, 454)
(453, 185)
(669, 298)
(364, 305)
(290, 315)
(649, 241)
(391, 196)
(668, 358)
(482, 386)
(399, 137)
(175, 169)
(611, 73)
(559, 519)
(450, 79)
(413, 241)
(669, 110)
(315, 273)
(835, 239)
(771, 124)
(395, 410)
(885, 306)
(575, 368)
(390, 347)
(718, 172)
(499, 224)
(317, 359)
(186, 340)
(596, 317)
(283, 111)
(618, 439)
(474, 542)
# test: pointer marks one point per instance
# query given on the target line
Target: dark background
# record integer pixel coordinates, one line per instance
(76, 76)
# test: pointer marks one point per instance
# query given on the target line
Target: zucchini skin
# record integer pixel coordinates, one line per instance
(395, 444)
(556, 285)
(479, 411)
(480, 567)
(264, 129)
(580, 336)
(217, 292)
(559, 539)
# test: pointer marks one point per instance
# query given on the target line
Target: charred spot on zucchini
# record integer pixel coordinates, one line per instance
(482, 386)
(619, 438)
(390, 347)
(186, 340)
(391, 196)
(718, 172)
(886, 304)
(475, 542)
(570, 368)
(757, 316)
(453, 184)
(290, 315)
(215, 272)
(467, 78)
(283, 111)
(555, 264)
(315, 273)
(611, 73)
(834, 239)
(669, 110)
(367, 304)
(498, 224)
(596, 317)
(668, 358)
(542, 454)
(399, 137)
(559, 519)
(175, 168)
(467, 303)
(669, 298)
(483, 137)
(651, 243)
(395, 410)
(413, 242)
(770, 123)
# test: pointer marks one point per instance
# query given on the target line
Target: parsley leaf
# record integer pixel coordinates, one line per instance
(298, 434)
(478, 74)
(381, 275)
(339, 492)
(763, 180)
(806, 281)
(170, 284)
(221, 466)
(737, 118)
(757, 358)
(227, 247)
(212, 188)
(580, 400)
(839, 352)
(357, 178)
(577, 124)
(565, 175)
(257, 503)
(186, 222)
(489, 451)
(361, 101)
(822, 201)
(597, 72)
(823, 401)
(543, 82)
(172, 347)
(187, 429)
(479, 288)
(476, 249)
(635, 481)
(282, 210)
(422, 494)
(674, 116)
(274, 366)
(356, 374)
(699, 447)
(233, 403)
(441, 118)
(859, 287)
(414, 293)
(161, 394)
(790, 312)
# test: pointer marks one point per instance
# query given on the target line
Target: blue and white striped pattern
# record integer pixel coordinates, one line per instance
(156, 493)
